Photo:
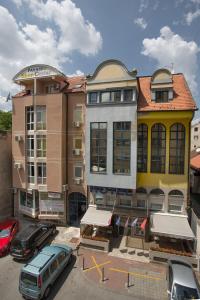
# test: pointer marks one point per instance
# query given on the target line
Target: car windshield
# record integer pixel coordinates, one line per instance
(4, 232)
(28, 279)
(181, 292)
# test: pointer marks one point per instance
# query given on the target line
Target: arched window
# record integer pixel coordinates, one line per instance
(175, 201)
(156, 199)
(177, 149)
(141, 196)
(142, 145)
(158, 148)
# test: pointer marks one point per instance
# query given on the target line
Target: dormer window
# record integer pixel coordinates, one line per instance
(161, 96)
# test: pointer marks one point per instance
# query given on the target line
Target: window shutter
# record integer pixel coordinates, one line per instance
(170, 94)
(153, 95)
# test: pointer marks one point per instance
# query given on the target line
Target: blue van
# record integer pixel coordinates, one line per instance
(38, 276)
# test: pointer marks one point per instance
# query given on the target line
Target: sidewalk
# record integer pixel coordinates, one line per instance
(146, 280)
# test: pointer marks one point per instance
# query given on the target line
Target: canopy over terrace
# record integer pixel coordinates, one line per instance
(173, 226)
(97, 217)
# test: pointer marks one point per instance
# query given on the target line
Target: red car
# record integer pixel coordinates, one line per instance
(8, 230)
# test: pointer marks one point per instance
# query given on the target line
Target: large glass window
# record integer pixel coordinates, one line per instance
(111, 96)
(156, 199)
(29, 118)
(177, 149)
(31, 172)
(121, 147)
(78, 114)
(93, 97)
(175, 201)
(158, 148)
(30, 146)
(161, 96)
(41, 145)
(26, 199)
(98, 147)
(142, 148)
(41, 117)
(128, 95)
(78, 172)
(41, 173)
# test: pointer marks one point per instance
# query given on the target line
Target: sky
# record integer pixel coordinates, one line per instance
(75, 36)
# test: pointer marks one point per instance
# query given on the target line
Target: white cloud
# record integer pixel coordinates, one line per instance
(191, 16)
(143, 5)
(21, 45)
(77, 73)
(17, 2)
(141, 22)
(172, 48)
(4, 105)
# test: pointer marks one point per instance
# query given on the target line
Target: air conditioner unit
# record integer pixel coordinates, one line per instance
(76, 152)
(65, 187)
(77, 124)
(18, 138)
(17, 165)
(77, 180)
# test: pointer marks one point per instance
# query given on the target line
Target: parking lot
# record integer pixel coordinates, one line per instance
(75, 283)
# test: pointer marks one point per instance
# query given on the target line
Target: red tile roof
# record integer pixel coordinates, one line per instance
(182, 96)
(195, 162)
(76, 84)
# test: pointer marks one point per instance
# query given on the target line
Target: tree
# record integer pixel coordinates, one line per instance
(5, 120)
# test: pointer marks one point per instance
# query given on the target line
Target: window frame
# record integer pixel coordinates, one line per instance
(158, 157)
(122, 147)
(81, 167)
(31, 172)
(163, 98)
(42, 179)
(144, 149)
(99, 142)
(178, 158)
(30, 145)
(29, 118)
(43, 149)
(41, 118)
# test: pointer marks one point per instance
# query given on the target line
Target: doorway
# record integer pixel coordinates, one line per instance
(77, 208)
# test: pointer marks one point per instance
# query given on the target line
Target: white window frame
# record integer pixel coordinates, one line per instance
(41, 150)
(74, 142)
(78, 108)
(30, 176)
(30, 116)
(41, 111)
(29, 150)
(42, 179)
(78, 166)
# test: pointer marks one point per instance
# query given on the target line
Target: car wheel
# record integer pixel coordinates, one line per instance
(47, 292)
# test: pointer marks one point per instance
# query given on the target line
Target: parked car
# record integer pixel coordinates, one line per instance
(38, 276)
(30, 240)
(182, 282)
(8, 230)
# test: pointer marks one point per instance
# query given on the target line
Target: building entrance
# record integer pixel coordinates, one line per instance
(77, 208)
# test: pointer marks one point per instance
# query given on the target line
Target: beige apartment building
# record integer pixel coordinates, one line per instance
(195, 134)
(5, 175)
(47, 143)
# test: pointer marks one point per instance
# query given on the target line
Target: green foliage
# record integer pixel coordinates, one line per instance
(5, 120)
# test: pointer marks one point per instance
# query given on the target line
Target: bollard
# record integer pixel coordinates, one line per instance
(128, 281)
(102, 278)
(83, 266)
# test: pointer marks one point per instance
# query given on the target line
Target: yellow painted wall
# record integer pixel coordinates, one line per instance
(165, 181)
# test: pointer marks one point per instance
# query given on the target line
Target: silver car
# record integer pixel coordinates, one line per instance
(182, 282)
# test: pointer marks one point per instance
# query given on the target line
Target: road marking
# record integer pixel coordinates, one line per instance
(96, 265)
(135, 274)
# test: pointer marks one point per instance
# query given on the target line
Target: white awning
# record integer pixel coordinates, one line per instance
(174, 226)
(98, 217)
